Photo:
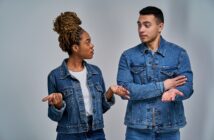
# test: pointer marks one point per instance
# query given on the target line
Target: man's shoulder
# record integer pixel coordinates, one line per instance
(132, 50)
(173, 46)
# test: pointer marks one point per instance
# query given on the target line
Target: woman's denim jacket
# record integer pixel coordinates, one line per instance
(72, 117)
(142, 72)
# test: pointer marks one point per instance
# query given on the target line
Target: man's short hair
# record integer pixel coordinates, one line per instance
(151, 10)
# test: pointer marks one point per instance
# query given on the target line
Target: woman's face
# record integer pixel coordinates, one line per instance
(85, 49)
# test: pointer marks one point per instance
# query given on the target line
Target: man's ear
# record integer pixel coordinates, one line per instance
(161, 25)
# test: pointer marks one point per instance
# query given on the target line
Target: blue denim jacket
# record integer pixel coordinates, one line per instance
(72, 117)
(143, 73)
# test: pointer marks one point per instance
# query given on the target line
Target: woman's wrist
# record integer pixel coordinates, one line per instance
(109, 93)
(59, 105)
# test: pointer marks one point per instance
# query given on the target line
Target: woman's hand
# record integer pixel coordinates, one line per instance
(120, 91)
(54, 99)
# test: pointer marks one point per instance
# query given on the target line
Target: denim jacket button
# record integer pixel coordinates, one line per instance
(154, 66)
(147, 126)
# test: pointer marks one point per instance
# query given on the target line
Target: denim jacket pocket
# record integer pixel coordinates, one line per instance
(72, 108)
(139, 73)
(98, 99)
(99, 87)
(137, 69)
(68, 96)
(98, 92)
(168, 71)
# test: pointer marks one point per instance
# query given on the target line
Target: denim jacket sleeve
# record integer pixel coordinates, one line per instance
(137, 91)
(106, 104)
(184, 68)
(54, 113)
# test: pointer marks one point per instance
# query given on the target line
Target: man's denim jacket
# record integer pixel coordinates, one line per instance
(142, 72)
(72, 117)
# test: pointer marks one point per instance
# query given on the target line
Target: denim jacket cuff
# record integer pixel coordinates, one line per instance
(160, 86)
(110, 101)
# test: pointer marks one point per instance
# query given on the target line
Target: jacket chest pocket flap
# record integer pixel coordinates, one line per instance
(138, 69)
(98, 88)
(67, 93)
(169, 71)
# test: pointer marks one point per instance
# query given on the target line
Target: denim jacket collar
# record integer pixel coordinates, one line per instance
(161, 50)
(64, 72)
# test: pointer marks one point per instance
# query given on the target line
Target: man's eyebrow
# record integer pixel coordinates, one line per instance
(145, 22)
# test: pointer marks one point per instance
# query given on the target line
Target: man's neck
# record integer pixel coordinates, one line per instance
(154, 45)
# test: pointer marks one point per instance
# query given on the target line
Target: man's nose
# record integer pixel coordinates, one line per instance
(141, 29)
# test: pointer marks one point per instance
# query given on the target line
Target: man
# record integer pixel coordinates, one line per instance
(158, 76)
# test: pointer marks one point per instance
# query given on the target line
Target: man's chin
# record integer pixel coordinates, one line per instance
(144, 40)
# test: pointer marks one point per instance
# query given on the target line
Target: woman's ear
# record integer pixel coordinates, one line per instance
(75, 48)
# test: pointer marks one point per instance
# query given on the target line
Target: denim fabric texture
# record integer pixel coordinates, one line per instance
(72, 117)
(139, 134)
(142, 72)
(90, 135)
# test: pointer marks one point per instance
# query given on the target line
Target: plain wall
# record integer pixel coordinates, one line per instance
(29, 51)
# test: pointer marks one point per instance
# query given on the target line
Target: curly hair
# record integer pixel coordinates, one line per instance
(67, 25)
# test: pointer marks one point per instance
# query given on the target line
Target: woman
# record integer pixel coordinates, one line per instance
(77, 97)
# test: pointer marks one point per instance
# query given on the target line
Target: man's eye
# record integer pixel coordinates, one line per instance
(147, 25)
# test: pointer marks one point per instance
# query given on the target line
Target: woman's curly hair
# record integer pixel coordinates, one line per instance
(67, 25)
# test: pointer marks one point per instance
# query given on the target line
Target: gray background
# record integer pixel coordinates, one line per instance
(29, 51)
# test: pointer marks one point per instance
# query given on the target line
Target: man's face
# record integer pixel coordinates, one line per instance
(149, 28)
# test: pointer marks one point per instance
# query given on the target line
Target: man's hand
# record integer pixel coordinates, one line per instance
(54, 99)
(170, 95)
(174, 82)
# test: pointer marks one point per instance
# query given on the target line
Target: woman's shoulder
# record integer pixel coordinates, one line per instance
(92, 67)
(61, 70)
(55, 71)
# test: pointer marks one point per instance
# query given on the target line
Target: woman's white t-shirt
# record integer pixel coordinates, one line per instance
(82, 77)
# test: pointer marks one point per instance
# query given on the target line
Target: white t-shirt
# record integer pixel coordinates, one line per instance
(82, 77)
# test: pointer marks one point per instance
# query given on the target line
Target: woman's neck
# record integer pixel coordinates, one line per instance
(75, 64)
